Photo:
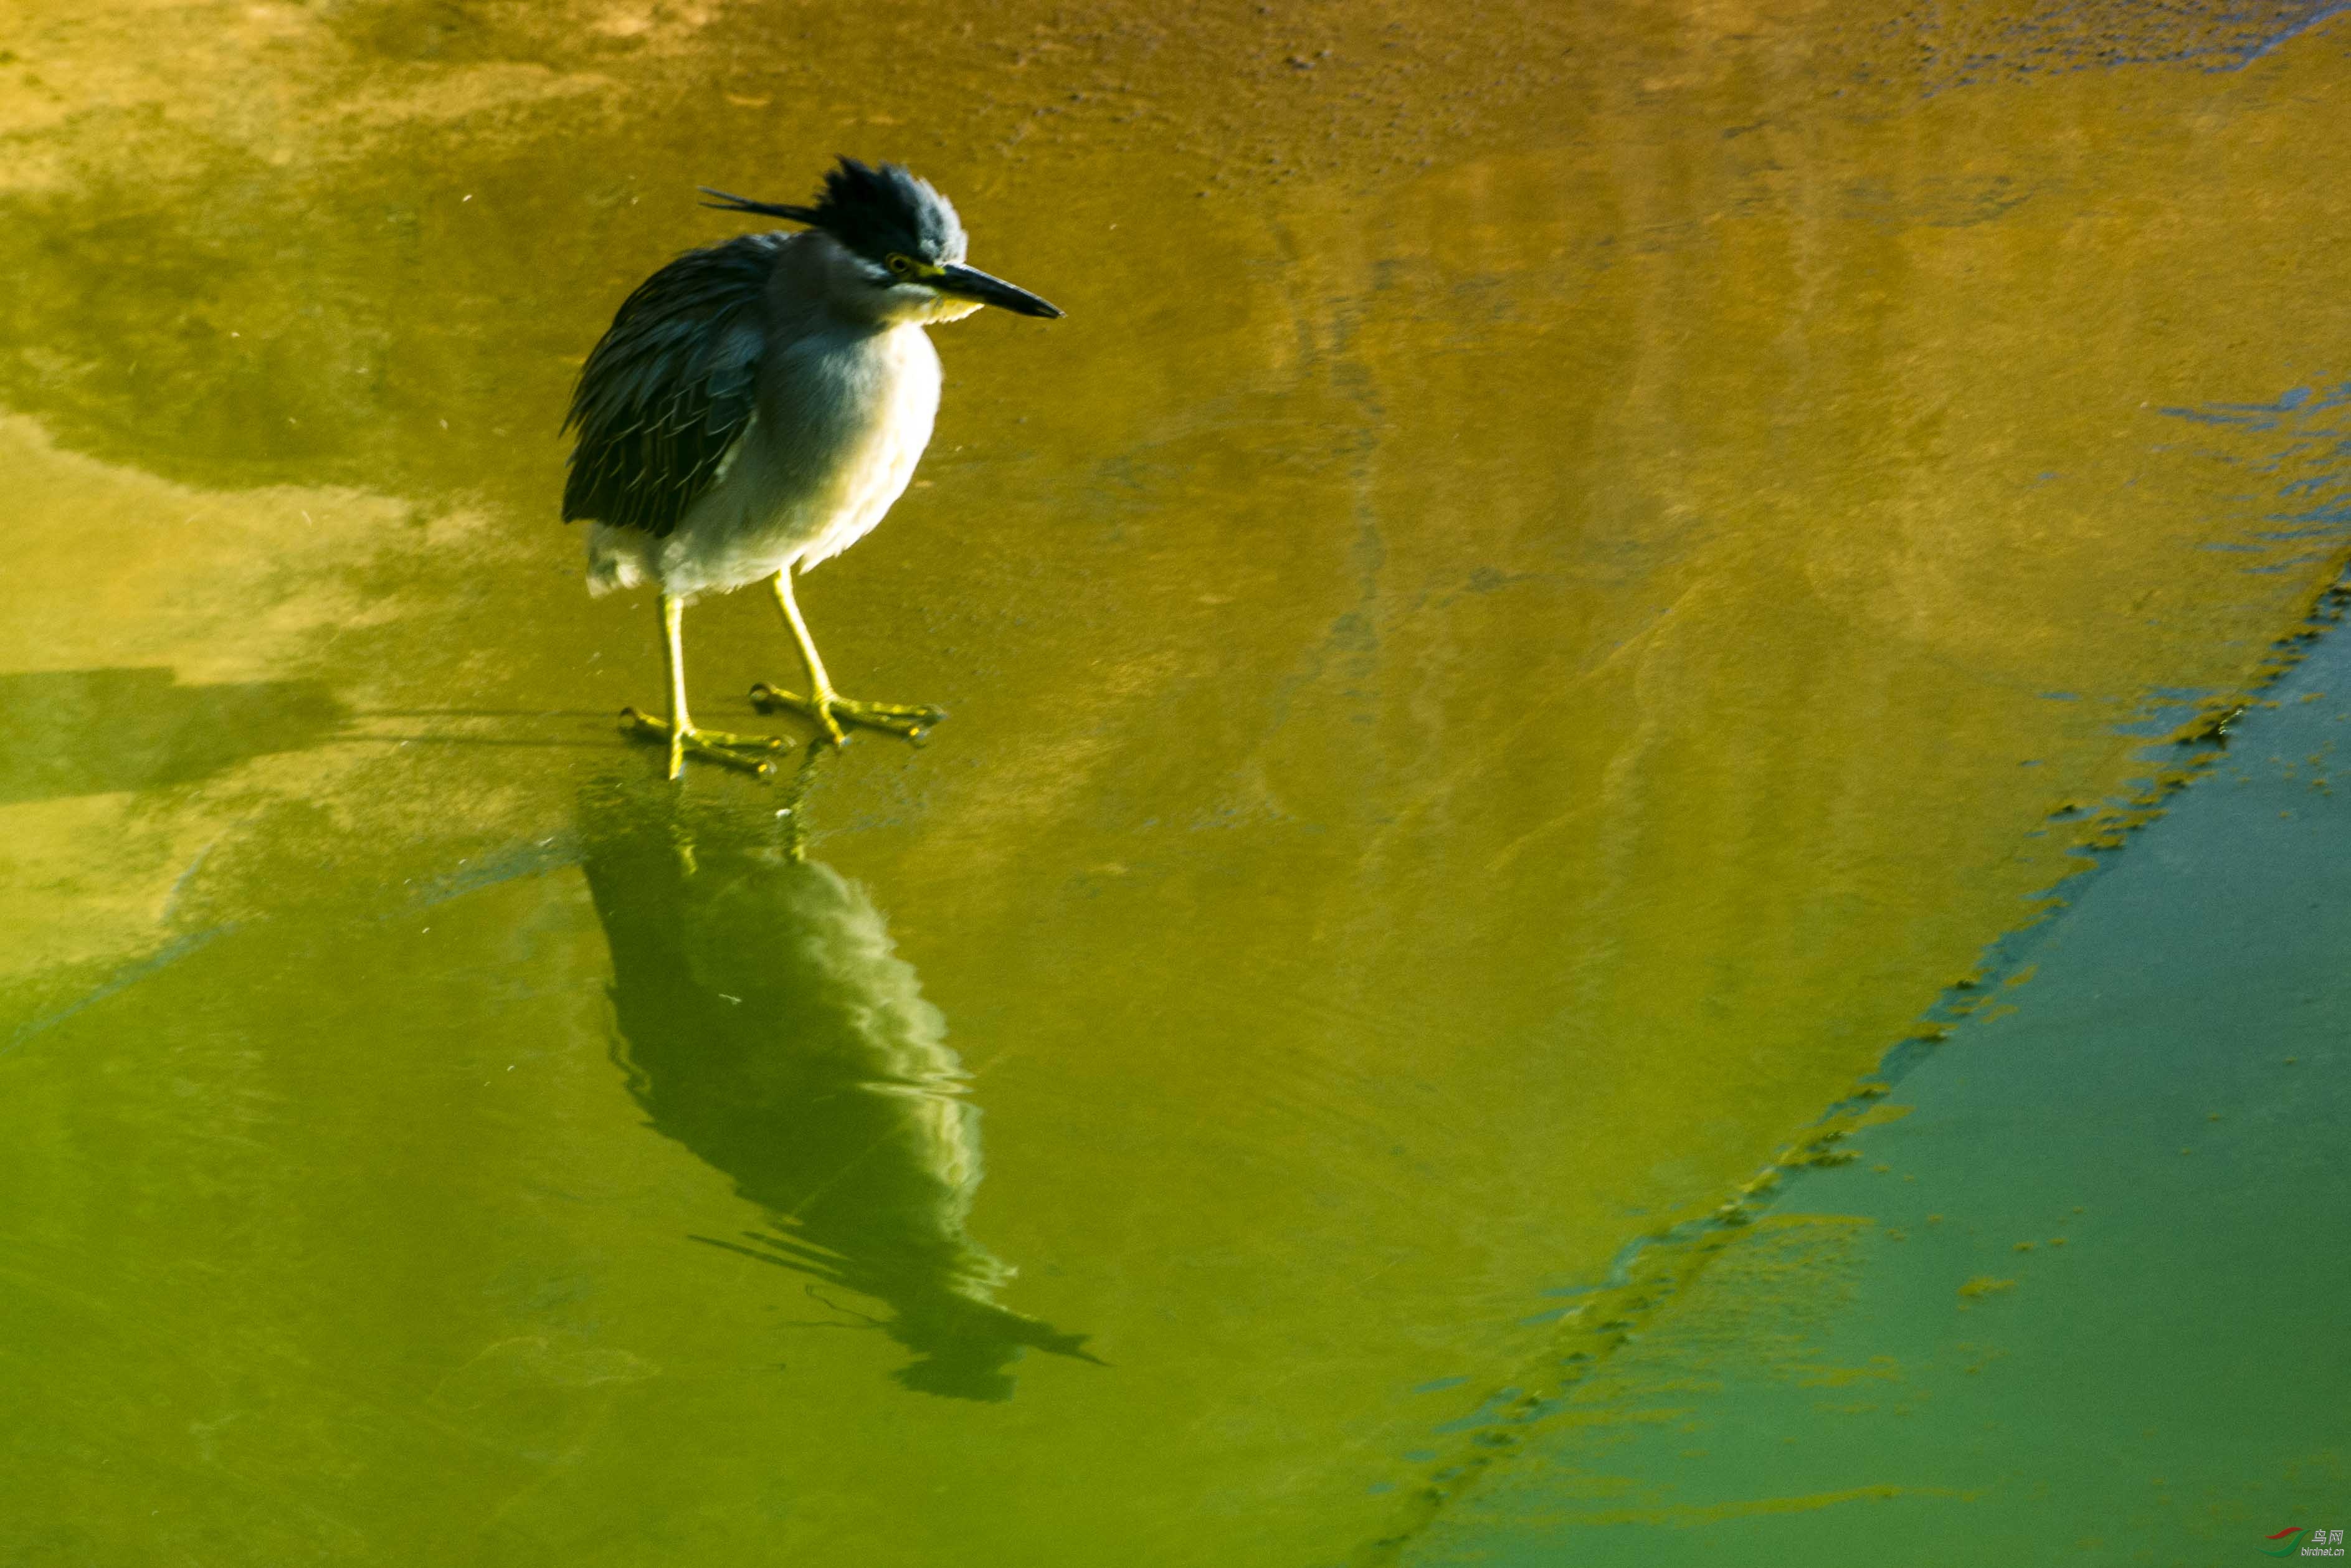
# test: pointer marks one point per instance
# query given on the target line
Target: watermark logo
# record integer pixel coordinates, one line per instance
(2305, 1540)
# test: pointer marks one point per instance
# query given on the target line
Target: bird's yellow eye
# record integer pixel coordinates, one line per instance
(904, 265)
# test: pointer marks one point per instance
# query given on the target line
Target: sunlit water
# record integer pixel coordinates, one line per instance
(1532, 618)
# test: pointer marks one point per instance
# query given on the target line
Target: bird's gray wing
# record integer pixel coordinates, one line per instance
(671, 387)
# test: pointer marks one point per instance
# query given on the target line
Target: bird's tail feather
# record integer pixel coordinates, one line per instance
(611, 562)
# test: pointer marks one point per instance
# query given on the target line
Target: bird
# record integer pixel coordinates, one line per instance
(756, 406)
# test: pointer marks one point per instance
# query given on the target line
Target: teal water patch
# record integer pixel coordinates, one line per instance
(2082, 1302)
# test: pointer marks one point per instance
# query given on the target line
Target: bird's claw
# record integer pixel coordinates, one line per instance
(911, 720)
(751, 753)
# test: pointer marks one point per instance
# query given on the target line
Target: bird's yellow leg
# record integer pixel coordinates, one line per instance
(750, 752)
(827, 707)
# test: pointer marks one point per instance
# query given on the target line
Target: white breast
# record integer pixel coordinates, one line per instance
(812, 473)
(908, 404)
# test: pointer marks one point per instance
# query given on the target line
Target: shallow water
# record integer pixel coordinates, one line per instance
(2071, 1294)
(1532, 618)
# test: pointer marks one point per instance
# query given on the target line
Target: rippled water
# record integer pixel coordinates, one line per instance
(1533, 617)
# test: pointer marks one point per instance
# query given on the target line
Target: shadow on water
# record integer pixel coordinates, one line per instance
(93, 732)
(768, 1024)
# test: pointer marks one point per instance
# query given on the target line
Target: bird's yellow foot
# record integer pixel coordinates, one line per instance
(752, 753)
(831, 710)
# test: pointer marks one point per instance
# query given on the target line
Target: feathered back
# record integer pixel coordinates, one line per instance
(670, 387)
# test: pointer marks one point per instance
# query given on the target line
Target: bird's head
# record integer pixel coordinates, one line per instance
(901, 239)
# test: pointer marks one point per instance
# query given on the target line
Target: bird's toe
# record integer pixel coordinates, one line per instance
(832, 712)
(751, 753)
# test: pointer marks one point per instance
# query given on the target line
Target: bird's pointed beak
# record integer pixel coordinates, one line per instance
(973, 284)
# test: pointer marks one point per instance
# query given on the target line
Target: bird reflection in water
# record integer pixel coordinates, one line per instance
(768, 1024)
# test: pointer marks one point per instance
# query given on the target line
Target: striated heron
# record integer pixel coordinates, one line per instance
(755, 409)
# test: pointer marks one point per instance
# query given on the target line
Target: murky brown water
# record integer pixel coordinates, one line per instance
(1517, 635)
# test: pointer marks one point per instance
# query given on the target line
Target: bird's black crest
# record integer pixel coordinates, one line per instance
(874, 212)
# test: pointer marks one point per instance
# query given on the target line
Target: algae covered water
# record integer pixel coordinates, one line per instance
(1568, 574)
